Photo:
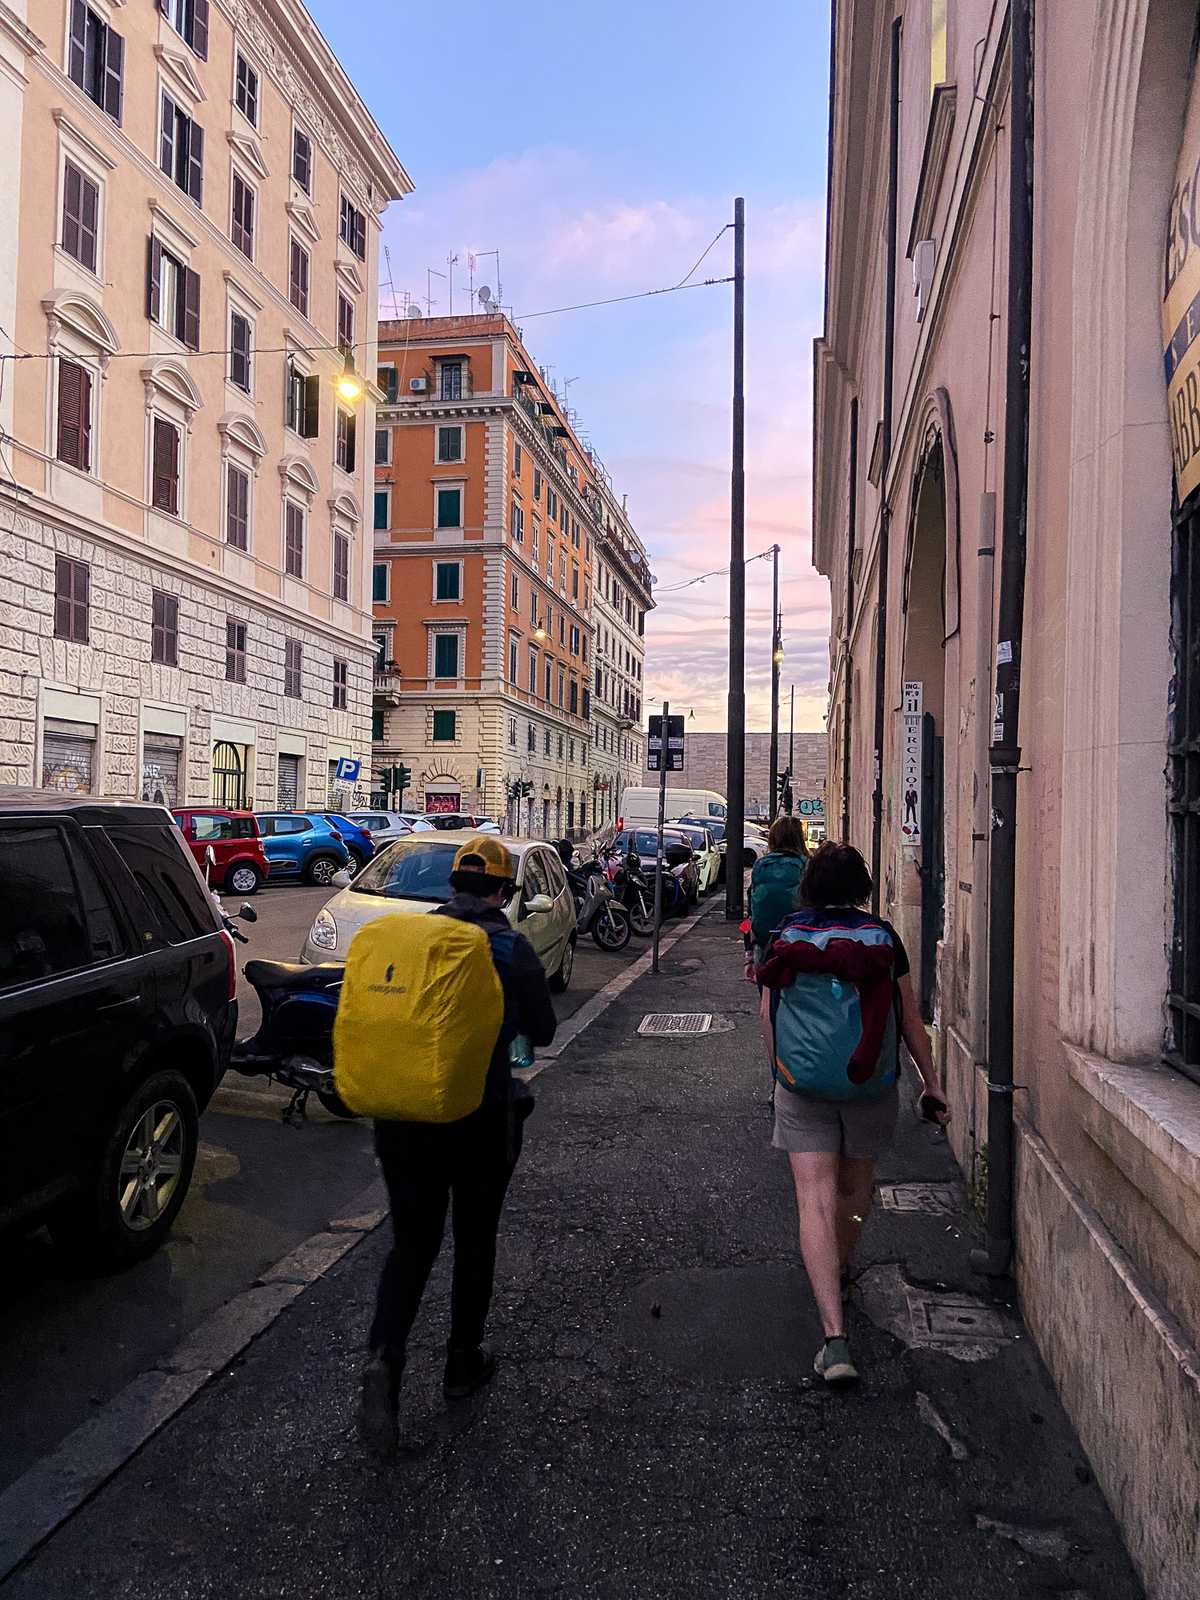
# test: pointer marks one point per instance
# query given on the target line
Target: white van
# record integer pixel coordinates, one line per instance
(639, 807)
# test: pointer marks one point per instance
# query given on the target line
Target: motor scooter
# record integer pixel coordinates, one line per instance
(294, 1042)
(597, 910)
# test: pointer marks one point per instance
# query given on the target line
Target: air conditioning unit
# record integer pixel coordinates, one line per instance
(418, 385)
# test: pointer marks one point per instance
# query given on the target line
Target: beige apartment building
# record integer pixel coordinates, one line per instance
(1080, 696)
(189, 216)
(621, 598)
(492, 519)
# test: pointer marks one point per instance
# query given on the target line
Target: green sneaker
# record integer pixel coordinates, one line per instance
(833, 1362)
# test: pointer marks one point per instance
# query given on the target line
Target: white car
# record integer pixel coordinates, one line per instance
(754, 843)
(413, 874)
(384, 826)
(707, 851)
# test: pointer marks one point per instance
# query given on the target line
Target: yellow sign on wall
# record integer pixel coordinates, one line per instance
(1181, 305)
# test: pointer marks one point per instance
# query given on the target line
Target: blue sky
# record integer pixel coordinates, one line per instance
(598, 149)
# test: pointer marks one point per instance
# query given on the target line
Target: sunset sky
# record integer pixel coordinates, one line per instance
(598, 149)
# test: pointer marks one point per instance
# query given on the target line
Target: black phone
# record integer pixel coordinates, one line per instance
(929, 1106)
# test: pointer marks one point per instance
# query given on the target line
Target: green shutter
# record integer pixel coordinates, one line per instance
(379, 581)
(447, 580)
(381, 511)
(443, 726)
(449, 508)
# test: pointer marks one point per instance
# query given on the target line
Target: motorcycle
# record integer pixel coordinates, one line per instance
(294, 1042)
(635, 892)
(597, 910)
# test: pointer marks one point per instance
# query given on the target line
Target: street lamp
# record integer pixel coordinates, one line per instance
(349, 384)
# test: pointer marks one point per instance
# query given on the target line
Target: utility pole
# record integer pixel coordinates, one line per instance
(662, 807)
(792, 745)
(735, 751)
(776, 663)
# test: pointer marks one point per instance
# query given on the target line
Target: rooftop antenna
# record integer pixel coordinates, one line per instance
(451, 259)
(471, 274)
(430, 274)
(387, 256)
(414, 308)
(481, 255)
(485, 299)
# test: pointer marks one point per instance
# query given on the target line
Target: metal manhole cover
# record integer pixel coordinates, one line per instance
(936, 1199)
(674, 1024)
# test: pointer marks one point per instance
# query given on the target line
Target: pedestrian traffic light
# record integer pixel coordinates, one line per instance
(395, 781)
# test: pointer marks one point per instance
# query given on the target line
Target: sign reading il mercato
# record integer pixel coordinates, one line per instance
(1181, 305)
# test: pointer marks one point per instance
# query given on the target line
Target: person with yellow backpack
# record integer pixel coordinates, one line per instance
(431, 1011)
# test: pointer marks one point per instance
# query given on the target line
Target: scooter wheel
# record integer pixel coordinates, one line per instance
(611, 930)
(335, 1105)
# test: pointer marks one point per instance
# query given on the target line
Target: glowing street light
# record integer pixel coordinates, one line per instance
(348, 384)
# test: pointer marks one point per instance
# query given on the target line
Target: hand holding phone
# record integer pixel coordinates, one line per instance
(933, 1108)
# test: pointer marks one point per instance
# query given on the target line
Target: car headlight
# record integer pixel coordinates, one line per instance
(323, 933)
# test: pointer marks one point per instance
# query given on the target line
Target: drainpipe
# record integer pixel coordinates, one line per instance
(980, 795)
(1005, 753)
(885, 511)
(848, 665)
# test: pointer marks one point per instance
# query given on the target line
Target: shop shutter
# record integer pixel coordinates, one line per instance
(288, 797)
(68, 756)
(161, 760)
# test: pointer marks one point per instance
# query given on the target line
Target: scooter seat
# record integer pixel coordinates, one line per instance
(293, 975)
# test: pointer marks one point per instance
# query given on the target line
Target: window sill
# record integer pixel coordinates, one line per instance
(1146, 1118)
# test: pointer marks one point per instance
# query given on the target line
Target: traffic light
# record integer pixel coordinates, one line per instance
(783, 797)
(395, 781)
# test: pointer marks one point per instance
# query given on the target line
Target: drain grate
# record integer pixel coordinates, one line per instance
(935, 1199)
(674, 1024)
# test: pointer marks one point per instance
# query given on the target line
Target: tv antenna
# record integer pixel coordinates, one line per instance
(480, 255)
(430, 274)
(451, 261)
(387, 256)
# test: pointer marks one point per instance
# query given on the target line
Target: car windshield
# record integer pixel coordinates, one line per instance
(717, 829)
(694, 835)
(407, 871)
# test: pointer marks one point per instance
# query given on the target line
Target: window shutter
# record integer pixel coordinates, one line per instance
(72, 230)
(239, 369)
(191, 308)
(166, 150)
(312, 407)
(90, 196)
(195, 164)
(351, 434)
(114, 64)
(199, 39)
(153, 274)
(165, 488)
(69, 389)
(77, 61)
(85, 419)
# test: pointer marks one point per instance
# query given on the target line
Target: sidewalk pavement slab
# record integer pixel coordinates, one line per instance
(654, 1430)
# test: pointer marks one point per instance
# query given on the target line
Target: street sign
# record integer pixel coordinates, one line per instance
(348, 769)
(654, 745)
(910, 783)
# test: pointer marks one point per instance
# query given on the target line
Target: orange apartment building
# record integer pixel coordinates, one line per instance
(487, 507)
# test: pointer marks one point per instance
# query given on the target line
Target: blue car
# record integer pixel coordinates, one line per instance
(302, 846)
(358, 841)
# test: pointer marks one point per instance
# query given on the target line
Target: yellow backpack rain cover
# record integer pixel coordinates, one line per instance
(419, 1013)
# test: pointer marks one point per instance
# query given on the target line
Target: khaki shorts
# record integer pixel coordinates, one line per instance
(859, 1129)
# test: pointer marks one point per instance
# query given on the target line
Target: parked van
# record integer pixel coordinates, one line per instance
(639, 807)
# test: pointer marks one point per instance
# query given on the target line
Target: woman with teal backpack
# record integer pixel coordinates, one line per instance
(840, 1000)
(775, 882)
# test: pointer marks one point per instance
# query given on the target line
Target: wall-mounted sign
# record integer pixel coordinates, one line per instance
(1181, 305)
(910, 767)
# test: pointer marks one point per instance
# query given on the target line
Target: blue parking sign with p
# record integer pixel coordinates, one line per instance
(348, 769)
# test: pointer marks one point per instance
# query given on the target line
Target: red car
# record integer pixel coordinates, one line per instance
(241, 864)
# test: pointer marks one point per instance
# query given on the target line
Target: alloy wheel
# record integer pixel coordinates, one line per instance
(243, 880)
(322, 871)
(151, 1165)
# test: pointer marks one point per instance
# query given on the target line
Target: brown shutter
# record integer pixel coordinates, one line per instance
(85, 419)
(312, 407)
(166, 144)
(114, 64)
(199, 39)
(90, 195)
(77, 65)
(72, 228)
(195, 162)
(153, 272)
(165, 487)
(351, 434)
(191, 309)
(70, 387)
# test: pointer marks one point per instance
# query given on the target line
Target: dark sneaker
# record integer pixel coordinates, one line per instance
(833, 1362)
(466, 1371)
(378, 1404)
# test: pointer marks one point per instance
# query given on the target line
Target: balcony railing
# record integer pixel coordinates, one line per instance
(387, 686)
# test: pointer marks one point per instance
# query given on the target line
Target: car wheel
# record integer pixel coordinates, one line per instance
(566, 967)
(134, 1194)
(357, 862)
(245, 878)
(320, 871)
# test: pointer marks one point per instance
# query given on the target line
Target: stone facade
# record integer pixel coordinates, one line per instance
(704, 768)
(174, 524)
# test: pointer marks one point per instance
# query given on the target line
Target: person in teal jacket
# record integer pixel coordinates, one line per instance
(775, 881)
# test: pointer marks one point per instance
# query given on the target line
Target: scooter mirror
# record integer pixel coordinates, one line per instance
(248, 913)
(210, 856)
(341, 879)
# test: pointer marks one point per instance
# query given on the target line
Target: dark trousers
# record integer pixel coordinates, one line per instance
(428, 1169)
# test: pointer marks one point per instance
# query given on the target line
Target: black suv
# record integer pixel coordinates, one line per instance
(117, 1015)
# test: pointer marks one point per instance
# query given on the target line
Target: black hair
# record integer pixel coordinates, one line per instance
(836, 875)
(476, 883)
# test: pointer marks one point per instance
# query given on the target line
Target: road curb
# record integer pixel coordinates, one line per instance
(603, 998)
(37, 1503)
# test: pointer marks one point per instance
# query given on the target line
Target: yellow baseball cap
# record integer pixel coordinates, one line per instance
(487, 856)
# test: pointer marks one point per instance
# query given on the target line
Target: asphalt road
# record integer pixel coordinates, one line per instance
(69, 1344)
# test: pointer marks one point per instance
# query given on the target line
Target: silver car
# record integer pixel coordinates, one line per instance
(413, 874)
(384, 826)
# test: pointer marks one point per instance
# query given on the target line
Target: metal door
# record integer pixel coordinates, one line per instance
(289, 783)
(161, 755)
(933, 860)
